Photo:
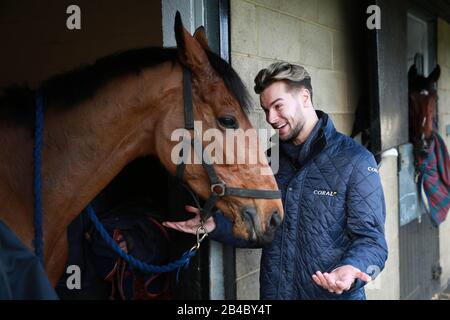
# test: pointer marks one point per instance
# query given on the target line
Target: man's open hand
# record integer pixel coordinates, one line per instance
(340, 279)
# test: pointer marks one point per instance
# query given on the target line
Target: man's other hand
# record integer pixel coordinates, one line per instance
(340, 279)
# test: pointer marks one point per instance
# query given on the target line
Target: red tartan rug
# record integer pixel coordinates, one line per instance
(434, 179)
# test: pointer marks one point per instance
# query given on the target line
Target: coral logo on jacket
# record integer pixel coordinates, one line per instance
(325, 193)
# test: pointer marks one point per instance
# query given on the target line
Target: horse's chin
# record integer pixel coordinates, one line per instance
(264, 240)
(255, 240)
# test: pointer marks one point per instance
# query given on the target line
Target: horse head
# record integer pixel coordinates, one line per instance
(422, 105)
(218, 99)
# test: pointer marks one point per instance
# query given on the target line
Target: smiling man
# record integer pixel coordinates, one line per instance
(332, 234)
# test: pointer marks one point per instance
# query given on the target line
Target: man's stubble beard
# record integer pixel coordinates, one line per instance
(294, 132)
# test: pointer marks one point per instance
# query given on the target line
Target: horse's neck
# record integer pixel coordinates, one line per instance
(87, 146)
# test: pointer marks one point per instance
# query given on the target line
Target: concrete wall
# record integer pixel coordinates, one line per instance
(311, 33)
(443, 31)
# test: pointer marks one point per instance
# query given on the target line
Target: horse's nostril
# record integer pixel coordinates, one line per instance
(275, 220)
(262, 231)
(249, 214)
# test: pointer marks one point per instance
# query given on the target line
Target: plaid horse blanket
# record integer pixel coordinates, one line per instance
(434, 179)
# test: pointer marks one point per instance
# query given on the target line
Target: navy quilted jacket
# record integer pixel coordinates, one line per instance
(334, 215)
(21, 273)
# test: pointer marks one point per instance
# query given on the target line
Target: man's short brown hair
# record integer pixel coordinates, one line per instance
(295, 76)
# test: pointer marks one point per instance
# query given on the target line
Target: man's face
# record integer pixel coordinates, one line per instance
(284, 109)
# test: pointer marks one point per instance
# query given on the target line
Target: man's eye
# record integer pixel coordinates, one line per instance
(228, 122)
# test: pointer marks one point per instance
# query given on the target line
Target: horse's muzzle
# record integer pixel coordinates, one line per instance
(261, 231)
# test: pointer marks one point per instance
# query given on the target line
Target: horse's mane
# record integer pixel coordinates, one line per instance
(71, 88)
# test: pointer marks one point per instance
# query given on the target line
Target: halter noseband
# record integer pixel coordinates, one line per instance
(218, 187)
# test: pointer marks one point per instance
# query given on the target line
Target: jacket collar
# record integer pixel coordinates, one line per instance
(314, 144)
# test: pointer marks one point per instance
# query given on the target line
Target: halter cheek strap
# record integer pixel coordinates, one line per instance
(218, 187)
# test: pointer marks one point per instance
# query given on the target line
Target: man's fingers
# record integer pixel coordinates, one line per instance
(192, 209)
(191, 225)
(341, 285)
(363, 276)
(322, 280)
(316, 280)
(173, 225)
(180, 226)
(330, 281)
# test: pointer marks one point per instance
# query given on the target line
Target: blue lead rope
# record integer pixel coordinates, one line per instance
(136, 263)
(37, 154)
(183, 262)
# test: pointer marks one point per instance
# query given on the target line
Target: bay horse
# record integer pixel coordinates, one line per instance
(431, 158)
(103, 116)
(422, 106)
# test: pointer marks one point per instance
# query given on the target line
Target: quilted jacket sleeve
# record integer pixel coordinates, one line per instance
(224, 234)
(22, 275)
(365, 222)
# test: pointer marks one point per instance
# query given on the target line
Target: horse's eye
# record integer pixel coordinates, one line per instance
(228, 122)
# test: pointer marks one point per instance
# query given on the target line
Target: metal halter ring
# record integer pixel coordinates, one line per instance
(203, 236)
(200, 237)
(222, 185)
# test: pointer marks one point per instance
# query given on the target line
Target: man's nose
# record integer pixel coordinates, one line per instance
(272, 117)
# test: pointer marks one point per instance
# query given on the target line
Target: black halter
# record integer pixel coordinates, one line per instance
(218, 187)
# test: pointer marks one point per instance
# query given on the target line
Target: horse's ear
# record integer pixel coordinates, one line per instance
(434, 76)
(190, 50)
(412, 73)
(200, 36)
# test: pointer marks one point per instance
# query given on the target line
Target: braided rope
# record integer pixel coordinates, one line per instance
(37, 154)
(136, 263)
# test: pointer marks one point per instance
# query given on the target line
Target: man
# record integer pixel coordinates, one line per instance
(332, 234)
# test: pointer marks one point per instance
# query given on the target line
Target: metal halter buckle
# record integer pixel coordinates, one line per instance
(222, 185)
(201, 233)
(200, 236)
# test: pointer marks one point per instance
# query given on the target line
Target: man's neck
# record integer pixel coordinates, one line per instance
(306, 131)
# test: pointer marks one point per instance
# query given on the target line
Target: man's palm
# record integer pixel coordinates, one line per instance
(340, 279)
(191, 225)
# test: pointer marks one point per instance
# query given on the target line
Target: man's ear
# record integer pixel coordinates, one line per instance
(305, 95)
